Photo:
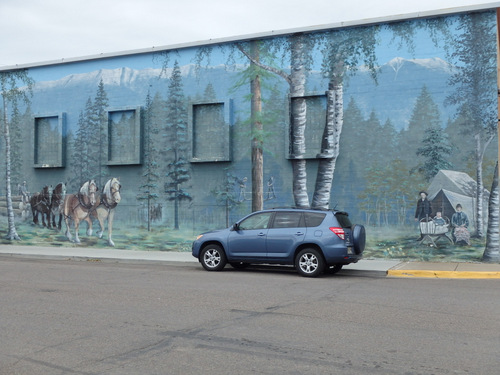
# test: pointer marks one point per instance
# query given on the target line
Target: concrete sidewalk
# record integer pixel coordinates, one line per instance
(391, 268)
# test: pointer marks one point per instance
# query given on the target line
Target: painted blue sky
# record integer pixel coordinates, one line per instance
(386, 50)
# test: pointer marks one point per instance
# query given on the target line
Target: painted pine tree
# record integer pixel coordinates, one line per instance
(149, 188)
(225, 194)
(435, 150)
(425, 115)
(79, 158)
(98, 134)
(177, 172)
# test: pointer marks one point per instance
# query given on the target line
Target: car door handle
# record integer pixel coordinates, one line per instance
(261, 234)
(299, 233)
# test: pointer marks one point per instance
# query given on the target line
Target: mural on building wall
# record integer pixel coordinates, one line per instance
(395, 123)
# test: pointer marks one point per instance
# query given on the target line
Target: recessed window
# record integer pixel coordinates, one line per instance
(315, 125)
(49, 140)
(124, 136)
(210, 132)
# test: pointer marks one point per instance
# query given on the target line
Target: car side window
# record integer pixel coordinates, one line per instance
(257, 221)
(287, 219)
(314, 219)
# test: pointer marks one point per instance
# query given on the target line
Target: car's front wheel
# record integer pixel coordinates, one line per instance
(213, 258)
(309, 263)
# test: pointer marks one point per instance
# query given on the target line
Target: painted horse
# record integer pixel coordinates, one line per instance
(105, 209)
(78, 207)
(56, 204)
(40, 203)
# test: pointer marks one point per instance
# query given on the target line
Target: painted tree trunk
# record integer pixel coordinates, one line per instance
(298, 122)
(492, 250)
(12, 234)
(329, 148)
(480, 189)
(257, 141)
(176, 207)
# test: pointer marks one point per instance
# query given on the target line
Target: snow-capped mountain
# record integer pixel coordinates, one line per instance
(399, 82)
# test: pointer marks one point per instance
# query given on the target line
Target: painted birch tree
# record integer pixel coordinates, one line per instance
(492, 250)
(475, 82)
(300, 47)
(15, 87)
(342, 53)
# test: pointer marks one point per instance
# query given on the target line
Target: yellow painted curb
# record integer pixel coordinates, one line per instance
(444, 274)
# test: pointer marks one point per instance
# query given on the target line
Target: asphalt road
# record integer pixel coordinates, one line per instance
(77, 317)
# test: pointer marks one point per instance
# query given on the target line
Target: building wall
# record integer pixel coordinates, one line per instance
(175, 126)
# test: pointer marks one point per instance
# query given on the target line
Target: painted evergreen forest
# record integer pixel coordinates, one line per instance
(361, 119)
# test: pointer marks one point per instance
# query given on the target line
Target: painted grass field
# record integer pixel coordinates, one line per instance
(382, 243)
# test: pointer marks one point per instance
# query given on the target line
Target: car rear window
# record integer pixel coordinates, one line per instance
(314, 219)
(343, 219)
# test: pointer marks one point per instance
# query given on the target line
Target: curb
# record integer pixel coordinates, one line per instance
(444, 274)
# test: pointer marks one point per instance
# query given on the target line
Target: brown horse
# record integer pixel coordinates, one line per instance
(40, 203)
(78, 207)
(56, 204)
(105, 209)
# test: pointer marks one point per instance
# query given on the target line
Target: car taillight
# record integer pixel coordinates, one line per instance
(339, 232)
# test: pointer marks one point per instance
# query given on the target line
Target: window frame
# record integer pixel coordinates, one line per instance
(309, 154)
(226, 154)
(60, 160)
(137, 152)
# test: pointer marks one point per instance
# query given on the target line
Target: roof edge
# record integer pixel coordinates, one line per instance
(267, 34)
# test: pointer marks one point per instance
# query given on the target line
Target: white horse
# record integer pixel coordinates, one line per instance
(78, 207)
(105, 209)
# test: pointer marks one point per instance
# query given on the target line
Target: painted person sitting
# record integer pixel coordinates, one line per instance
(440, 223)
(438, 219)
(460, 222)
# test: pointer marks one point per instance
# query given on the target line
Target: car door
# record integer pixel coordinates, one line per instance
(287, 231)
(248, 240)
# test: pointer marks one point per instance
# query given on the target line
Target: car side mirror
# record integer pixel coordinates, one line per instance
(236, 226)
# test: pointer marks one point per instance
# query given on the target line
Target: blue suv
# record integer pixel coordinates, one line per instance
(311, 240)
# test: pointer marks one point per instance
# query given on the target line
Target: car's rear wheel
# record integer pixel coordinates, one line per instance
(309, 263)
(213, 258)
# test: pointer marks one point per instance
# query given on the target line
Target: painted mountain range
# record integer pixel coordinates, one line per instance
(399, 82)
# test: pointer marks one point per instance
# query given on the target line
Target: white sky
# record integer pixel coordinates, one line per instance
(45, 30)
